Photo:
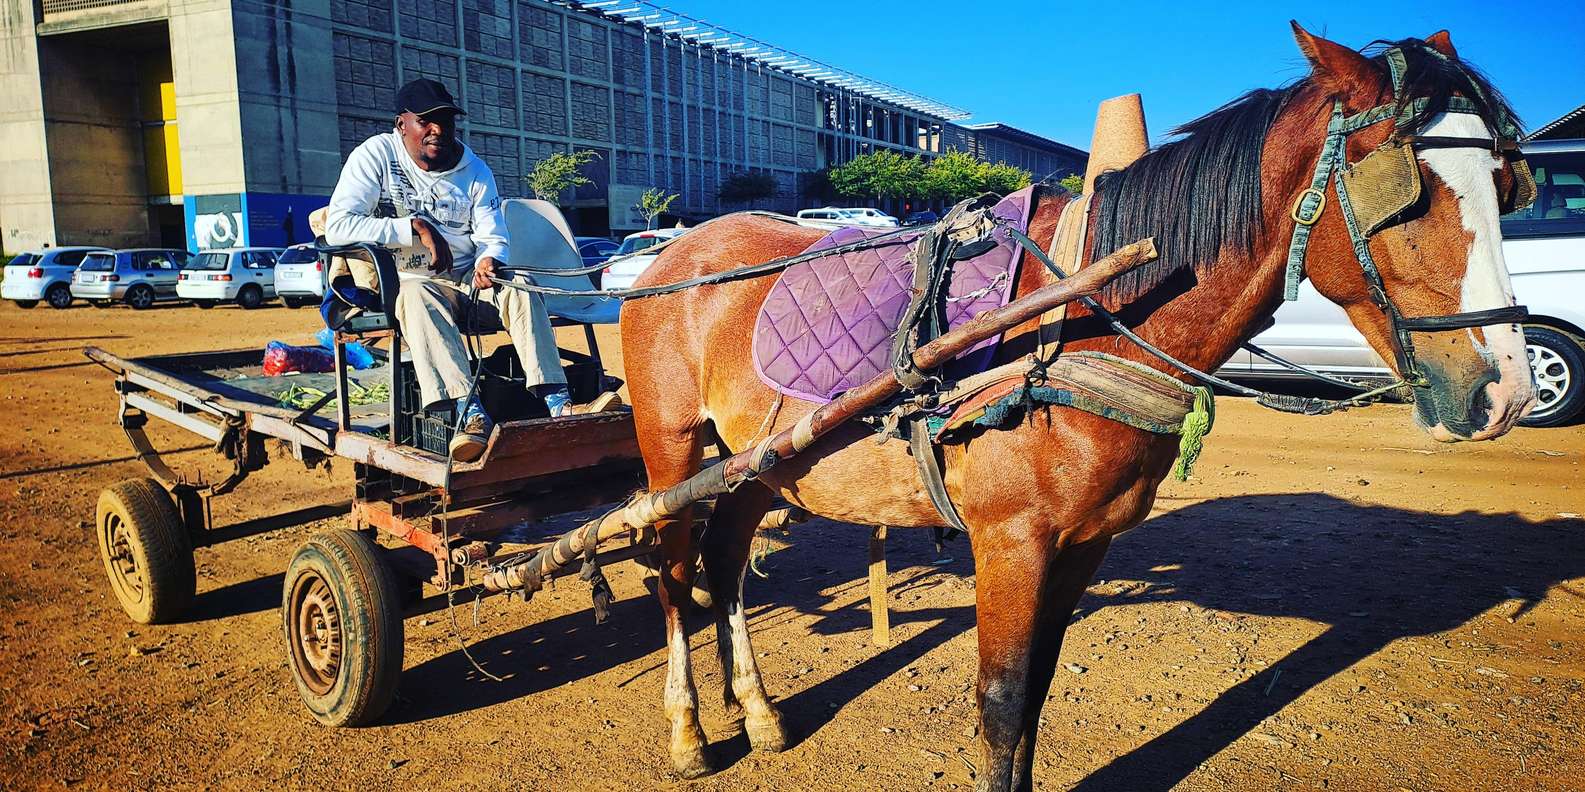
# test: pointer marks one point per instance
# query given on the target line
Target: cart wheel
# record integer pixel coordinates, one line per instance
(146, 551)
(343, 619)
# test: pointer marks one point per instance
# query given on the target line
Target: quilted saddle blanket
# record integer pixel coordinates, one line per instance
(827, 324)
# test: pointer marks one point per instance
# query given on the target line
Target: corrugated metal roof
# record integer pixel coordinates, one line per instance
(1549, 132)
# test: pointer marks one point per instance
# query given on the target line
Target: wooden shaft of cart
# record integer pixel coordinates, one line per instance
(649, 508)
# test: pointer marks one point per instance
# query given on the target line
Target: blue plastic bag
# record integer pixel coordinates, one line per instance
(359, 357)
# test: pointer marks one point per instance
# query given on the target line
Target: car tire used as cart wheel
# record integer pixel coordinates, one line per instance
(140, 297)
(59, 296)
(1557, 362)
(250, 297)
(147, 553)
(341, 610)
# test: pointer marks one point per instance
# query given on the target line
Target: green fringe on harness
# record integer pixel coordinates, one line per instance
(1196, 425)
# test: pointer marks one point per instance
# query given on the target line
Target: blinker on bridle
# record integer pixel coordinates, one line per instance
(1383, 185)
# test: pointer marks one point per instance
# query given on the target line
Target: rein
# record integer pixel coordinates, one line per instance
(1303, 405)
(750, 271)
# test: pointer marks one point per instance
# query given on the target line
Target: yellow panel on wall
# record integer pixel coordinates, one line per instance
(162, 157)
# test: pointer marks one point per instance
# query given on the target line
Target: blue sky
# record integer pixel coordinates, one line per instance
(1045, 66)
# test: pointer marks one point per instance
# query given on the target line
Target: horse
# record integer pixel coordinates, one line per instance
(1043, 498)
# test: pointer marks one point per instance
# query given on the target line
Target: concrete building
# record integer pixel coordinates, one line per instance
(214, 122)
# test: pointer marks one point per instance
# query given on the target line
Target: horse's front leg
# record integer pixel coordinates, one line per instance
(1025, 595)
(724, 553)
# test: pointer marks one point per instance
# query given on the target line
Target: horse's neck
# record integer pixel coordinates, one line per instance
(1202, 321)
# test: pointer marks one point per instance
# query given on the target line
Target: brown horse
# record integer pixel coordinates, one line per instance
(1043, 498)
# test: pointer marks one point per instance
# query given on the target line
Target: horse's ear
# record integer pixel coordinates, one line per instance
(1336, 68)
(1443, 43)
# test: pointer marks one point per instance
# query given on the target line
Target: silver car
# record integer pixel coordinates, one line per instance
(299, 276)
(138, 277)
(44, 274)
(246, 275)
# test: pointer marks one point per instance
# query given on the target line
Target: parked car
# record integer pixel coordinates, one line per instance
(595, 250)
(921, 217)
(857, 216)
(45, 274)
(623, 271)
(246, 275)
(299, 276)
(136, 276)
(1544, 246)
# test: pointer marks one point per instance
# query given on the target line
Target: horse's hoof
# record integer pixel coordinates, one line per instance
(687, 755)
(692, 766)
(767, 734)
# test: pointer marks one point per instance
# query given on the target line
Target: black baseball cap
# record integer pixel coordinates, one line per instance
(423, 96)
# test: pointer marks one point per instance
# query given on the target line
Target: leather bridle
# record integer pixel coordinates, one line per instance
(1331, 166)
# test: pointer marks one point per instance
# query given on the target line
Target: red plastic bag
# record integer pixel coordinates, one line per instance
(282, 358)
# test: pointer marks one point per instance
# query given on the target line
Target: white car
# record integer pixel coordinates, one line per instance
(45, 274)
(1544, 247)
(246, 275)
(300, 276)
(625, 268)
(856, 216)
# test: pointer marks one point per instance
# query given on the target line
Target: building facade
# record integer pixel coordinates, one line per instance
(214, 122)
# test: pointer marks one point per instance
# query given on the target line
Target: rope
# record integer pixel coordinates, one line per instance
(445, 504)
(1275, 401)
(750, 271)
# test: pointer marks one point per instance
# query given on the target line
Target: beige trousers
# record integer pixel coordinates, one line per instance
(429, 311)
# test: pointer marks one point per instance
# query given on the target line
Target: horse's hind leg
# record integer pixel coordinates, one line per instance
(724, 553)
(1024, 602)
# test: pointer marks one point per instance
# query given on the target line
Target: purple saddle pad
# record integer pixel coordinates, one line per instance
(827, 324)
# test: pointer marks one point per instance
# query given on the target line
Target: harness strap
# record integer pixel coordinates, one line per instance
(1509, 314)
(1307, 209)
(1067, 244)
(924, 451)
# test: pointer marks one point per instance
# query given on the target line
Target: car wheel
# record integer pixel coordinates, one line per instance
(1558, 364)
(26, 303)
(59, 296)
(140, 297)
(250, 297)
(293, 302)
(204, 304)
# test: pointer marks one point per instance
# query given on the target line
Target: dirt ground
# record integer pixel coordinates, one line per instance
(1331, 602)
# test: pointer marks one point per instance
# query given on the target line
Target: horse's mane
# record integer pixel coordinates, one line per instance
(1201, 192)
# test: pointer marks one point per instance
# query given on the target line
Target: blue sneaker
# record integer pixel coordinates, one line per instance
(559, 402)
(468, 444)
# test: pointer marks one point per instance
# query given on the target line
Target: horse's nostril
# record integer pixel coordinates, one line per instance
(1479, 408)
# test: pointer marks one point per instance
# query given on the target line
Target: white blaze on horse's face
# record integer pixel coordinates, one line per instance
(1469, 173)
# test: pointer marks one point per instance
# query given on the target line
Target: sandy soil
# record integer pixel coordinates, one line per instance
(1330, 603)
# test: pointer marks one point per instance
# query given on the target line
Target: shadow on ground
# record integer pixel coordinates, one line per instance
(1312, 557)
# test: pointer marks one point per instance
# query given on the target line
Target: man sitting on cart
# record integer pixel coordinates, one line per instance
(421, 192)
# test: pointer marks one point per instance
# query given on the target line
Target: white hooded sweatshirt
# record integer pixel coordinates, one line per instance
(381, 188)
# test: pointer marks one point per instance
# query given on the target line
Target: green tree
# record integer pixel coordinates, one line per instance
(1073, 183)
(558, 173)
(954, 176)
(882, 174)
(653, 203)
(747, 187)
(1001, 178)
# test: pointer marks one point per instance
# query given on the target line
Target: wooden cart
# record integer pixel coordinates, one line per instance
(344, 595)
